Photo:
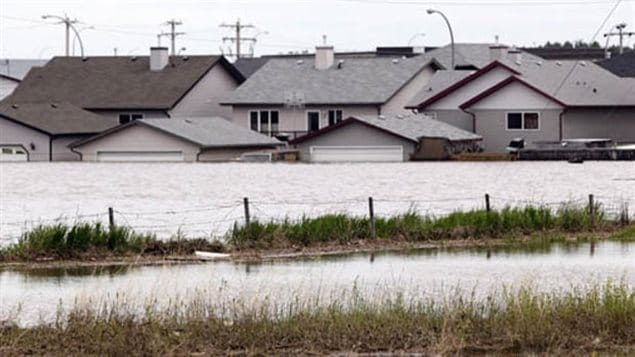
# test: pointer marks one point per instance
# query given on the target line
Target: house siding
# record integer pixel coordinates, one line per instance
(355, 134)
(61, 151)
(470, 90)
(138, 138)
(12, 133)
(7, 86)
(204, 99)
(456, 117)
(296, 119)
(613, 123)
(397, 104)
(492, 126)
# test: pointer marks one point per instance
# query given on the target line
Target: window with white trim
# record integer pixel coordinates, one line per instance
(523, 121)
(264, 121)
(335, 116)
(128, 117)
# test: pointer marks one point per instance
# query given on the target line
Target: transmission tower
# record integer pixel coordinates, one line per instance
(620, 33)
(237, 38)
(172, 34)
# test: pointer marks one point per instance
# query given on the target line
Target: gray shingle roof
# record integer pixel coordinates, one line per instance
(56, 119)
(439, 81)
(211, 132)
(18, 68)
(115, 82)
(415, 127)
(359, 81)
(622, 65)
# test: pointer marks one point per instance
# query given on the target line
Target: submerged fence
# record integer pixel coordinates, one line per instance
(216, 220)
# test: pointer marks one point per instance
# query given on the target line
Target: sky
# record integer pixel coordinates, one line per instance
(281, 26)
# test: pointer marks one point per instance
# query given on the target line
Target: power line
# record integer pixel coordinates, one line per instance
(237, 39)
(173, 34)
(620, 33)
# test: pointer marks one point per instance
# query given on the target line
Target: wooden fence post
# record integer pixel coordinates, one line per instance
(246, 204)
(487, 206)
(592, 209)
(111, 217)
(371, 215)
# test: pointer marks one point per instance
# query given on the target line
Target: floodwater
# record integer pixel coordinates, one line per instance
(205, 199)
(35, 296)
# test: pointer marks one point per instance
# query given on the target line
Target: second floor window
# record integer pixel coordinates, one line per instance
(523, 121)
(335, 116)
(264, 121)
(128, 117)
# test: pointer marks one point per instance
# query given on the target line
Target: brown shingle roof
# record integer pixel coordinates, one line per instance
(116, 82)
(55, 119)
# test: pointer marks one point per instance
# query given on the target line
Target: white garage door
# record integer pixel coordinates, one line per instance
(357, 153)
(13, 154)
(139, 156)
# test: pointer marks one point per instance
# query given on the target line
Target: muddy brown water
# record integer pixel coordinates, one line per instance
(37, 295)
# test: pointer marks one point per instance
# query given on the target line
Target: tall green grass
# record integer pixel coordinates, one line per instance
(600, 318)
(66, 241)
(414, 227)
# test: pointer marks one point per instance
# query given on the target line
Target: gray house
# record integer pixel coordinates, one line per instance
(538, 100)
(175, 140)
(43, 131)
(296, 96)
(129, 87)
(385, 139)
(12, 71)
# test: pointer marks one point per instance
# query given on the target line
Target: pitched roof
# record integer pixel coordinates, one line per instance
(358, 81)
(622, 65)
(511, 79)
(18, 68)
(205, 132)
(116, 82)
(249, 66)
(409, 127)
(55, 119)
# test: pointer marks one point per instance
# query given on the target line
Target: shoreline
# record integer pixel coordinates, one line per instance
(298, 253)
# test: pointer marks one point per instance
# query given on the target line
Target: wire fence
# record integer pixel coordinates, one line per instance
(214, 221)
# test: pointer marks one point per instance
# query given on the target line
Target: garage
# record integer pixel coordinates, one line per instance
(13, 154)
(384, 153)
(140, 156)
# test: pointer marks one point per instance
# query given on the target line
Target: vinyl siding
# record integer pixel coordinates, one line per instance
(12, 133)
(613, 123)
(396, 104)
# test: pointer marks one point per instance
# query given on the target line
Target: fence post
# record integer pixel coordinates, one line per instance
(246, 204)
(111, 217)
(371, 215)
(487, 206)
(592, 209)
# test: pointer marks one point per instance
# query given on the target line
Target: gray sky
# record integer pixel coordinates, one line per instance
(132, 25)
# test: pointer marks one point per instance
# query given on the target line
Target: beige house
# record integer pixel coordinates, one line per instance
(519, 96)
(173, 140)
(295, 96)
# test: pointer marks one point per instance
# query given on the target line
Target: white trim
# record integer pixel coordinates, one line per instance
(257, 111)
(327, 115)
(522, 113)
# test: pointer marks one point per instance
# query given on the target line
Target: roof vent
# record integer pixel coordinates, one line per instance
(188, 121)
(582, 63)
(15, 106)
(54, 105)
(538, 63)
(400, 116)
(299, 62)
(558, 63)
(185, 58)
(382, 117)
(518, 63)
(595, 90)
(84, 59)
(340, 63)
(133, 58)
(395, 61)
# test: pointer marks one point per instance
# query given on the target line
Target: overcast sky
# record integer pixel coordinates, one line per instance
(293, 25)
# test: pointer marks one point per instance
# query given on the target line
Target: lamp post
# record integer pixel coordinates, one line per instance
(69, 26)
(75, 38)
(433, 11)
(415, 36)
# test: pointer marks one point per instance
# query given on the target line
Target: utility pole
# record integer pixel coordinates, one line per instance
(69, 25)
(173, 34)
(620, 32)
(237, 38)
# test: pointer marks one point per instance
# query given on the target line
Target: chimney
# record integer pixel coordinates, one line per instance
(324, 57)
(497, 52)
(159, 58)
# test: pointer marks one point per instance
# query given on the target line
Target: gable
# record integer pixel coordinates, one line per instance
(472, 87)
(516, 96)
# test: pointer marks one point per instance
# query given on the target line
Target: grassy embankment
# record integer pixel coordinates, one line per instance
(599, 319)
(537, 224)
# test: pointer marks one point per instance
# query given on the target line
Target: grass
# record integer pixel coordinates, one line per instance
(600, 318)
(477, 224)
(94, 240)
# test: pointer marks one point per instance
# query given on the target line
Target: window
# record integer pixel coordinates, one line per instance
(335, 116)
(7, 151)
(523, 121)
(313, 121)
(128, 117)
(265, 121)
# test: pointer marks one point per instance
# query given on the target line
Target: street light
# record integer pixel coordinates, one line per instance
(75, 37)
(254, 39)
(433, 11)
(421, 34)
(69, 25)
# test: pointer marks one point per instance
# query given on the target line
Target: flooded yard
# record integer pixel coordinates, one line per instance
(205, 199)
(37, 295)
